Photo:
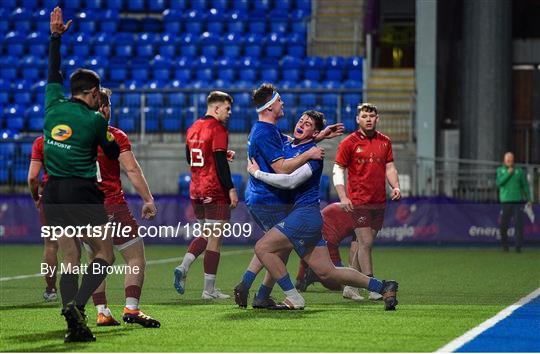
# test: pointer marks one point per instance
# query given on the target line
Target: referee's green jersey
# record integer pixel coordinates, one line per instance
(72, 131)
(513, 187)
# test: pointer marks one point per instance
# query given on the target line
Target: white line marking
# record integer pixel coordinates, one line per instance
(155, 261)
(476, 331)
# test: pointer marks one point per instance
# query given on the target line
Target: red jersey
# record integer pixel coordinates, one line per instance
(108, 171)
(37, 154)
(206, 136)
(337, 224)
(365, 160)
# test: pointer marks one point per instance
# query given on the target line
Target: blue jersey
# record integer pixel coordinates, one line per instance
(308, 192)
(265, 145)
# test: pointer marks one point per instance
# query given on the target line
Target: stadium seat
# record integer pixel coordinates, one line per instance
(275, 46)
(15, 42)
(140, 73)
(35, 124)
(102, 45)
(118, 72)
(352, 99)
(145, 45)
(7, 149)
(329, 99)
(135, 5)
(172, 120)
(4, 22)
(14, 117)
(94, 4)
(262, 6)
(157, 5)
(167, 45)
(214, 22)
(285, 124)
(296, 46)
(355, 68)
(132, 99)
(236, 21)
(257, 23)
(161, 70)
(127, 118)
(183, 184)
(179, 5)
(20, 173)
(37, 44)
(232, 46)
(269, 74)
(348, 114)
(253, 45)
(313, 68)
(109, 19)
(334, 68)
(123, 44)
(280, 19)
(172, 20)
(187, 46)
(21, 20)
(291, 68)
(152, 117)
(8, 68)
(85, 22)
(177, 99)
(26, 149)
(308, 99)
(200, 5)
(209, 44)
(194, 21)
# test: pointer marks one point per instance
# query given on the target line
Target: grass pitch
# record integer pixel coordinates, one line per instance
(443, 293)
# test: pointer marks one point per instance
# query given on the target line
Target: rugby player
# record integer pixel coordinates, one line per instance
(266, 204)
(50, 250)
(71, 133)
(132, 247)
(301, 229)
(211, 191)
(367, 156)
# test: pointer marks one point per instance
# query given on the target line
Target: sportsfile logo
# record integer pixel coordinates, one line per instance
(185, 230)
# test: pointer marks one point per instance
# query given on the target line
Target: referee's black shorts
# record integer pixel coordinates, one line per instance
(73, 201)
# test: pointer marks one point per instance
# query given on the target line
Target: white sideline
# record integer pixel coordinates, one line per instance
(154, 261)
(473, 333)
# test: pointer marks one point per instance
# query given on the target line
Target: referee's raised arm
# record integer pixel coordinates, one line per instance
(57, 29)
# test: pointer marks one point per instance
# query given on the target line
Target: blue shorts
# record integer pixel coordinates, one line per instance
(267, 216)
(303, 227)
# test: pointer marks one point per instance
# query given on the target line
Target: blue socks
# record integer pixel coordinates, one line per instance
(286, 284)
(264, 292)
(249, 278)
(375, 285)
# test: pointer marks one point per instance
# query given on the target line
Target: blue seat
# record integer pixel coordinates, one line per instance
(15, 42)
(172, 20)
(127, 119)
(161, 70)
(177, 99)
(157, 5)
(94, 4)
(132, 99)
(37, 44)
(269, 74)
(140, 72)
(172, 120)
(123, 44)
(247, 72)
(184, 181)
(178, 5)
(102, 45)
(22, 93)
(135, 5)
(313, 68)
(236, 21)
(329, 99)
(152, 117)
(352, 99)
(285, 124)
(21, 19)
(194, 21)
(209, 44)
(275, 46)
(85, 22)
(355, 68)
(262, 6)
(253, 45)
(118, 72)
(232, 46)
(308, 99)
(257, 23)
(187, 46)
(14, 117)
(348, 117)
(145, 44)
(222, 5)
(7, 149)
(304, 5)
(200, 5)
(280, 20)
(109, 18)
(8, 68)
(214, 22)
(167, 45)
(35, 124)
(204, 74)
(334, 68)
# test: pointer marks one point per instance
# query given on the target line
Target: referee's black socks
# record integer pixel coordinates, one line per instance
(69, 285)
(90, 281)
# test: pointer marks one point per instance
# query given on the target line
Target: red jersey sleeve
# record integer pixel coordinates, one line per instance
(122, 140)
(37, 149)
(220, 140)
(343, 153)
(389, 153)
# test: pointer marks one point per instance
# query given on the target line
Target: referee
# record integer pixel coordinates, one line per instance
(72, 131)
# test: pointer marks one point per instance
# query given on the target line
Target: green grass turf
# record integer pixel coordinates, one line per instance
(443, 293)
